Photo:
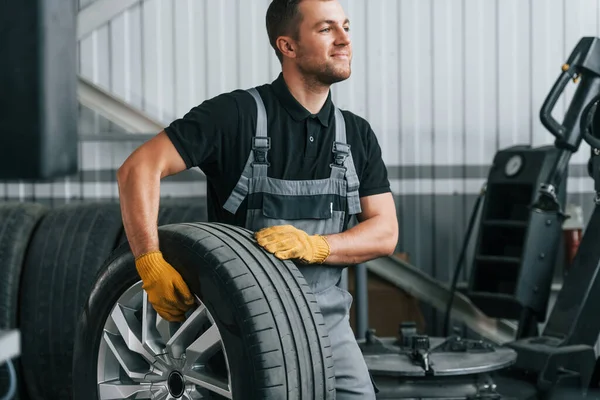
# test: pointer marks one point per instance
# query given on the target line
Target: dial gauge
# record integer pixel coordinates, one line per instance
(513, 165)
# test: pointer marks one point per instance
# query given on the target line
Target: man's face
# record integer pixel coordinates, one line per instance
(324, 49)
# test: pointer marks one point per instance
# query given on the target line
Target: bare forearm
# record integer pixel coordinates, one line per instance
(375, 237)
(139, 193)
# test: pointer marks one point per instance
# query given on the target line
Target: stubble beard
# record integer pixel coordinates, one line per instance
(326, 74)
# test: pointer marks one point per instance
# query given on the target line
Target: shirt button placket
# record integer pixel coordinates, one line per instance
(312, 127)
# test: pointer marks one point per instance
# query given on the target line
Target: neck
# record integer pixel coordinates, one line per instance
(306, 90)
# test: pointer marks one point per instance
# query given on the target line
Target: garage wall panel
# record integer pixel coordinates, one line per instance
(185, 37)
(514, 105)
(431, 76)
(547, 33)
(448, 91)
(416, 88)
(481, 84)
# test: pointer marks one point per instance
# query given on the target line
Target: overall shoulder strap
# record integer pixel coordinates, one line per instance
(261, 141)
(257, 162)
(343, 164)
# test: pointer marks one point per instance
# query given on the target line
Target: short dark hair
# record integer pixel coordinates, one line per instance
(283, 19)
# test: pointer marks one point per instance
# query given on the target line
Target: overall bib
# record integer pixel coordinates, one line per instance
(316, 207)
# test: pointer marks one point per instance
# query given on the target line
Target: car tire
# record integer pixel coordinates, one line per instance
(271, 330)
(70, 245)
(17, 224)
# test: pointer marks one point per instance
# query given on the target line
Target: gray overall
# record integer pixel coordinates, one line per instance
(309, 205)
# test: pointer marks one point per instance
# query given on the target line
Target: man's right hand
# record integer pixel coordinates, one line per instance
(167, 291)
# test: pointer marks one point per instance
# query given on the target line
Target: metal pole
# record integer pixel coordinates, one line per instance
(362, 301)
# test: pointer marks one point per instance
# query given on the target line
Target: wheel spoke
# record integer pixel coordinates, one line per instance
(188, 331)
(150, 336)
(119, 391)
(132, 363)
(166, 329)
(204, 347)
(193, 394)
(161, 394)
(210, 382)
(130, 330)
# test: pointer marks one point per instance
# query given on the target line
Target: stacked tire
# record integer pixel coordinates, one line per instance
(17, 223)
(71, 271)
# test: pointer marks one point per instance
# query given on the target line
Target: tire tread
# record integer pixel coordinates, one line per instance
(310, 338)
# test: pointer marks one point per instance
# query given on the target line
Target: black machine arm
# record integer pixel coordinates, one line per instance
(590, 126)
(574, 317)
(584, 64)
(562, 359)
(546, 219)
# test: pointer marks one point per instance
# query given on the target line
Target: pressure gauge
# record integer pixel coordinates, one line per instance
(513, 165)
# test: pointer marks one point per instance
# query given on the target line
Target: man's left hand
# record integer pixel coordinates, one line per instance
(287, 242)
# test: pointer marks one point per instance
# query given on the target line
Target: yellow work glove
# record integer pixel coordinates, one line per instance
(167, 291)
(288, 242)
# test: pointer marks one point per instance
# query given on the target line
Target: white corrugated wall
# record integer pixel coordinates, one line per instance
(444, 83)
(433, 77)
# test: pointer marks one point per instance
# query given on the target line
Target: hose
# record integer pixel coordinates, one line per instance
(12, 386)
(461, 258)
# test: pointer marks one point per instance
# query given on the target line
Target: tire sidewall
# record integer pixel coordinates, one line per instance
(200, 272)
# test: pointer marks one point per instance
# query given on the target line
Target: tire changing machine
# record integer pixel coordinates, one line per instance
(512, 273)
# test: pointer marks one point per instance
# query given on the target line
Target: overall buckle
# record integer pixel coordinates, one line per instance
(260, 147)
(341, 151)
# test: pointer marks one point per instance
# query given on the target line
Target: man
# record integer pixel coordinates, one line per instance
(281, 160)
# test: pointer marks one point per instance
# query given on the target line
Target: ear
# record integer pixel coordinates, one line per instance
(287, 46)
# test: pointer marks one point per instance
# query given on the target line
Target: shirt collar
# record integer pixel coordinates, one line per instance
(294, 108)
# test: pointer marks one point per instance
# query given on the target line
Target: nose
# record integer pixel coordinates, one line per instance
(343, 38)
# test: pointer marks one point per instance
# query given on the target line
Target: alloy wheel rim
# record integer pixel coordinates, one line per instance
(142, 356)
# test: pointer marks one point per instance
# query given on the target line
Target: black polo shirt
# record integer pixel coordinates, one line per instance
(216, 136)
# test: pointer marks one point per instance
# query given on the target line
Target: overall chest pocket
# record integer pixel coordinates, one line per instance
(299, 207)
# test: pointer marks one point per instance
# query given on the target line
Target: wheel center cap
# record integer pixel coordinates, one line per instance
(176, 384)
